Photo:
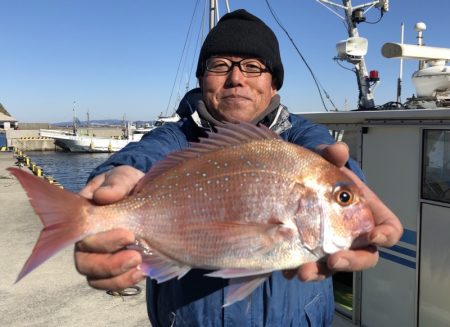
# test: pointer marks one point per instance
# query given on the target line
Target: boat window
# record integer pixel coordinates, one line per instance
(436, 165)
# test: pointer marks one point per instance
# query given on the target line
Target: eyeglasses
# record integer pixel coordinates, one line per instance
(248, 67)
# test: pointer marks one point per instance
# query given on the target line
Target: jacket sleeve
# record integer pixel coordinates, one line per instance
(153, 146)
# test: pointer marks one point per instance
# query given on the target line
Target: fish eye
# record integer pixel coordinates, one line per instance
(343, 196)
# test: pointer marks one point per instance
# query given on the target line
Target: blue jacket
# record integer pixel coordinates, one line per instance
(195, 300)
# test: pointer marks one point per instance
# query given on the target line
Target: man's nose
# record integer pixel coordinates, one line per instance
(235, 75)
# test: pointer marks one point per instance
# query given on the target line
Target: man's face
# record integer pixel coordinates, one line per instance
(235, 97)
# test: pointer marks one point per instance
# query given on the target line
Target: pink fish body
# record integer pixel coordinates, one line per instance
(242, 202)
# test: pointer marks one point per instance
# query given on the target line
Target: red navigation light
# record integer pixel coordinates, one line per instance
(373, 76)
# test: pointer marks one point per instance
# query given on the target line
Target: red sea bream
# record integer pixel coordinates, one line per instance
(241, 203)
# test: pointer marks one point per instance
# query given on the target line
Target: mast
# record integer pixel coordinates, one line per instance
(74, 119)
(88, 122)
(354, 48)
(400, 74)
(212, 14)
(366, 99)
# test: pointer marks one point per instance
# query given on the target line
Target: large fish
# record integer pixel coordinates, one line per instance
(241, 203)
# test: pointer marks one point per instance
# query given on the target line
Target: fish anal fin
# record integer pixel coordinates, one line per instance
(156, 265)
(240, 288)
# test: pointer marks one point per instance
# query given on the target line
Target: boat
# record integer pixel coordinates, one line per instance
(85, 143)
(73, 141)
(404, 151)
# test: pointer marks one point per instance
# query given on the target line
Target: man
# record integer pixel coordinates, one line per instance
(239, 72)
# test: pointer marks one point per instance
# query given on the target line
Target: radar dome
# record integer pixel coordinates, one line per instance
(420, 26)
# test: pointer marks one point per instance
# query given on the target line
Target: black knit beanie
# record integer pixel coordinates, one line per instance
(241, 33)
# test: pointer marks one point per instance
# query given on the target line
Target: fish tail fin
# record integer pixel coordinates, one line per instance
(62, 213)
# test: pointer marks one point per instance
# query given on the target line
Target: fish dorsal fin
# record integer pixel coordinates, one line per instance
(227, 135)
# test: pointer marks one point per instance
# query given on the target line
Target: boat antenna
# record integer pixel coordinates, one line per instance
(400, 74)
(316, 81)
(419, 28)
(354, 48)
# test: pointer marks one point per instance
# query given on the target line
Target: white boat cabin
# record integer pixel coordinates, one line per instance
(405, 156)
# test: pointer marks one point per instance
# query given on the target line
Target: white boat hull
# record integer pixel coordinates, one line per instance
(78, 143)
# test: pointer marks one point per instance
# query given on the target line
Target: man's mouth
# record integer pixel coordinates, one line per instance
(235, 97)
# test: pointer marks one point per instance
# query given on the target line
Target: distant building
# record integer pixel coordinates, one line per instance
(6, 121)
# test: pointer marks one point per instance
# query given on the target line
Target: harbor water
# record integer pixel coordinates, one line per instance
(70, 169)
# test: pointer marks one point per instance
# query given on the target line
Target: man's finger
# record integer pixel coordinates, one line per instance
(106, 242)
(338, 153)
(313, 271)
(120, 282)
(94, 184)
(353, 260)
(118, 183)
(106, 265)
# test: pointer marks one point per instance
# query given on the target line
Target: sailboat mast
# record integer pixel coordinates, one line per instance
(88, 122)
(74, 119)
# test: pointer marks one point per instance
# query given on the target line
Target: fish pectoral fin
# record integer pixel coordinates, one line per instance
(239, 288)
(158, 266)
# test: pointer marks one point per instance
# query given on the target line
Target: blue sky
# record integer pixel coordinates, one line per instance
(116, 57)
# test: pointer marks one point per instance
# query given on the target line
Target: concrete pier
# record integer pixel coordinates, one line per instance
(53, 295)
(30, 140)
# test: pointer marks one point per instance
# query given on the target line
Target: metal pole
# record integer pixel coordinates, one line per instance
(420, 27)
(228, 6)
(74, 123)
(217, 11)
(366, 100)
(88, 122)
(212, 11)
(400, 75)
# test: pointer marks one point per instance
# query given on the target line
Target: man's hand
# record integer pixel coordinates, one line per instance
(101, 257)
(387, 231)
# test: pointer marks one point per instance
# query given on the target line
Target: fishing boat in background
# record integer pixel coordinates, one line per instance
(86, 143)
(73, 141)
(404, 151)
